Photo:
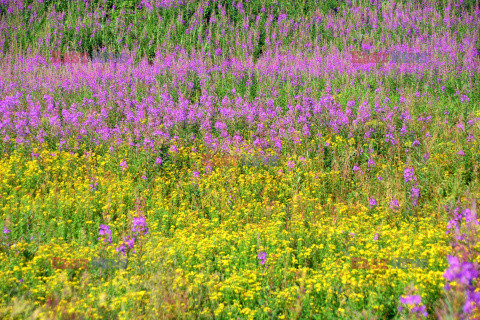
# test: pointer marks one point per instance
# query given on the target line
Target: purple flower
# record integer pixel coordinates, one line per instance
(462, 272)
(130, 242)
(290, 164)
(373, 201)
(415, 143)
(411, 300)
(473, 299)
(371, 162)
(461, 153)
(105, 230)
(122, 249)
(420, 310)
(356, 168)
(380, 178)
(415, 193)
(457, 219)
(306, 131)
(464, 98)
(416, 301)
(470, 217)
(426, 156)
(5, 230)
(394, 205)
(158, 161)
(140, 225)
(123, 164)
(409, 175)
(262, 256)
(376, 237)
(94, 184)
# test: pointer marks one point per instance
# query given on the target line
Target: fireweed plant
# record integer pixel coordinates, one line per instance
(148, 161)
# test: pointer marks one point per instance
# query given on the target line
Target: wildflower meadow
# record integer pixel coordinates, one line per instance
(239, 159)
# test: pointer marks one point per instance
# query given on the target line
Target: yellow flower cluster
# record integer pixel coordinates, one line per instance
(201, 255)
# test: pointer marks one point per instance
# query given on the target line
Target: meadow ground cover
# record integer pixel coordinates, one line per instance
(239, 164)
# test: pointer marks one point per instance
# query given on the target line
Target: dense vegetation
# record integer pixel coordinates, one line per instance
(239, 164)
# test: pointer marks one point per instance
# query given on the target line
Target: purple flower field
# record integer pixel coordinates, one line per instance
(234, 154)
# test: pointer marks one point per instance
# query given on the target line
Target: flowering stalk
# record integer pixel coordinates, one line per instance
(462, 299)
(139, 229)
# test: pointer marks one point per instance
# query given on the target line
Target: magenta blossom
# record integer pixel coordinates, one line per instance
(105, 230)
(130, 242)
(262, 256)
(415, 193)
(290, 164)
(371, 162)
(140, 225)
(463, 272)
(409, 175)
